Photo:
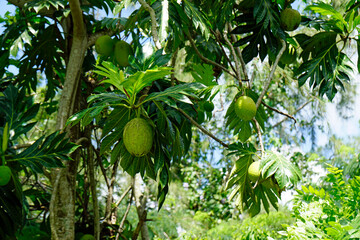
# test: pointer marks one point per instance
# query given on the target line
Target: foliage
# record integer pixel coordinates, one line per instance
(214, 40)
(16, 112)
(331, 212)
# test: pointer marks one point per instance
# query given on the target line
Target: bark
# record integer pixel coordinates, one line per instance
(140, 203)
(62, 204)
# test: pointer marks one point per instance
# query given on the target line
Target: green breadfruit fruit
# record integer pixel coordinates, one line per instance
(209, 106)
(122, 52)
(104, 45)
(201, 117)
(254, 171)
(289, 55)
(138, 137)
(269, 183)
(87, 237)
(290, 19)
(5, 175)
(245, 108)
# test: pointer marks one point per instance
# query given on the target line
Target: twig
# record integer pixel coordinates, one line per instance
(278, 111)
(243, 65)
(297, 110)
(267, 85)
(232, 49)
(202, 129)
(154, 32)
(81, 140)
(224, 52)
(206, 60)
(252, 75)
(117, 204)
(20, 146)
(120, 230)
(260, 137)
(101, 166)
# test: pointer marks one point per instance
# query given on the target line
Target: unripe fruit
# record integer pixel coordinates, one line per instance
(138, 137)
(201, 117)
(290, 19)
(208, 106)
(269, 183)
(245, 108)
(5, 175)
(254, 171)
(289, 55)
(104, 45)
(87, 237)
(122, 52)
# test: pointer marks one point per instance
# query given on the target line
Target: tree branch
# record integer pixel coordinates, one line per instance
(121, 227)
(93, 192)
(297, 110)
(216, 34)
(232, 49)
(206, 60)
(243, 65)
(154, 31)
(267, 85)
(139, 225)
(278, 111)
(117, 204)
(202, 129)
(260, 137)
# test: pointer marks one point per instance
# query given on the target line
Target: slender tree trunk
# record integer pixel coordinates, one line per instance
(62, 204)
(140, 203)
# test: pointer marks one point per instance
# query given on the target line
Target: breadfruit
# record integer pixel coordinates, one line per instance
(254, 171)
(289, 55)
(269, 183)
(200, 117)
(122, 52)
(290, 19)
(138, 137)
(245, 108)
(104, 45)
(5, 175)
(87, 237)
(208, 106)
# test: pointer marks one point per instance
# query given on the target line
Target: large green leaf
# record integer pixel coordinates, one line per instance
(285, 173)
(17, 110)
(249, 196)
(46, 152)
(136, 82)
(328, 67)
(260, 24)
(11, 210)
(327, 10)
(204, 74)
(199, 19)
(114, 75)
(180, 92)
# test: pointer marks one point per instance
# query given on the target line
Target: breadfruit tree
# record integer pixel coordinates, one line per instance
(120, 106)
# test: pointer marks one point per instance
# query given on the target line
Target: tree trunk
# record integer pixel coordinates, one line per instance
(140, 203)
(62, 204)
